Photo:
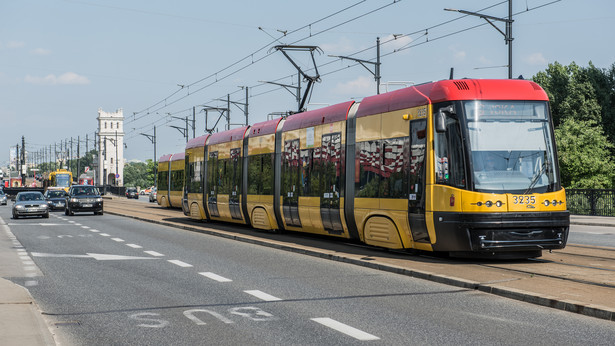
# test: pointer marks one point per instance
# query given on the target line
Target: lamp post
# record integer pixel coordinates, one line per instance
(153, 140)
(507, 35)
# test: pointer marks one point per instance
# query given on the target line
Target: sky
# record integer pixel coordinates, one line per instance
(63, 60)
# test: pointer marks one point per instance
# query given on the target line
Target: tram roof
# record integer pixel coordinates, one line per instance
(227, 136)
(165, 158)
(319, 116)
(452, 90)
(197, 142)
(264, 128)
(178, 156)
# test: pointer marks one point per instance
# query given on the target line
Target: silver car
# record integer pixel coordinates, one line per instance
(3, 199)
(30, 203)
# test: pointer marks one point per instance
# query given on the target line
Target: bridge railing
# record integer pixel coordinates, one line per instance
(591, 202)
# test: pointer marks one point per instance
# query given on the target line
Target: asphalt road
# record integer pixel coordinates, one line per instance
(112, 280)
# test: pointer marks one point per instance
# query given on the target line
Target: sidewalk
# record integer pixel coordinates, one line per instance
(587, 220)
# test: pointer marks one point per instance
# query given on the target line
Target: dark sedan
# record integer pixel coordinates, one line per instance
(83, 198)
(131, 192)
(31, 203)
(56, 199)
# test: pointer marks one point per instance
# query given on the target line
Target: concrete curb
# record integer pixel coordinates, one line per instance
(596, 311)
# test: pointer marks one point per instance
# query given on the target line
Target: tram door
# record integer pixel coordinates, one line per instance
(331, 161)
(416, 196)
(235, 177)
(213, 182)
(291, 172)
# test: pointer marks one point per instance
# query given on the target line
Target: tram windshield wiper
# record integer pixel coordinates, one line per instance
(543, 169)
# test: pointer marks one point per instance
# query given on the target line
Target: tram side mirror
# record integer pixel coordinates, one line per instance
(441, 121)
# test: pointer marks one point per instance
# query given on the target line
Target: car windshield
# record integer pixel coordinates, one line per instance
(85, 191)
(55, 194)
(511, 146)
(31, 197)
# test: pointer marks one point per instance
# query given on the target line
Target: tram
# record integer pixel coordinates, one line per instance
(466, 167)
(61, 178)
(171, 180)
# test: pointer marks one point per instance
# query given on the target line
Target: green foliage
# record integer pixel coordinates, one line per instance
(139, 174)
(584, 155)
(571, 92)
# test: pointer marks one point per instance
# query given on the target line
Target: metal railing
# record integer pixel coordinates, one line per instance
(591, 202)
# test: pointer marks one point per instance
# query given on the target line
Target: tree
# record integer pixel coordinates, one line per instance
(571, 93)
(584, 155)
(139, 174)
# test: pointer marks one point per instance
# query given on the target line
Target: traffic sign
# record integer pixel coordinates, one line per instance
(117, 176)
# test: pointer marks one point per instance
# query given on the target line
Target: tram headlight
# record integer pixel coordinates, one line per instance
(488, 204)
(554, 202)
(546, 203)
(498, 204)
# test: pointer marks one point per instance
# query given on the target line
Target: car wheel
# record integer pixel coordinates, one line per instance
(46, 216)
(66, 211)
(15, 216)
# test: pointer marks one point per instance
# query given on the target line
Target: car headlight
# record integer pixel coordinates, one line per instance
(99, 199)
(74, 200)
(19, 207)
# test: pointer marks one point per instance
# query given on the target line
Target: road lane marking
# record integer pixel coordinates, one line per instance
(105, 235)
(154, 253)
(94, 230)
(262, 295)
(29, 283)
(85, 227)
(135, 246)
(180, 263)
(96, 256)
(346, 329)
(119, 240)
(215, 277)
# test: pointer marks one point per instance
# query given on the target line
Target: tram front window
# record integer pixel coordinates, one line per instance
(511, 146)
(63, 180)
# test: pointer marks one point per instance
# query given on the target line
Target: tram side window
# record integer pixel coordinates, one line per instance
(368, 157)
(291, 184)
(193, 177)
(308, 173)
(255, 167)
(450, 165)
(224, 179)
(395, 168)
(212, 171)
(177, 180)
(163, 181)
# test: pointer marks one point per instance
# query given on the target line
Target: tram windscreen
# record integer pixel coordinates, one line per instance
(63, 180)
(511, 146)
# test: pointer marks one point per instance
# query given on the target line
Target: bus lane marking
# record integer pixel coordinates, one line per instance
(215, 277)
(180, 263)
(346, 329)
(262, 295)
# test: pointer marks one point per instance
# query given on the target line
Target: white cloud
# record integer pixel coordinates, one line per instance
(68, 78)
(343, 46)
(535, 59)
(360, 86)
(15, 44)
(41, 51)
(395, 42)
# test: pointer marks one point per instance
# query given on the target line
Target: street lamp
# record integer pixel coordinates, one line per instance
(507, 35)
(153, 140)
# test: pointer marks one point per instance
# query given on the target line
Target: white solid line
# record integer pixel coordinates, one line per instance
(135, 246)
(154, 253)
(215, 277)
(346, 329)
(180, 263)
(105, 235)
(262, 295)
(119, 240)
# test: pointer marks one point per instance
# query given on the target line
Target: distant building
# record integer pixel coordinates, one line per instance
(111, 148)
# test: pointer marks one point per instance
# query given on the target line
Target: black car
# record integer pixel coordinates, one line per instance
(131, 192)
(83, 198)
(56, 199)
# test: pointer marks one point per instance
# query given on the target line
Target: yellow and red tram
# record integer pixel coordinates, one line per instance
(467, 167)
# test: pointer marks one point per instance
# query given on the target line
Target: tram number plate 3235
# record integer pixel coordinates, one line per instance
(524, 199)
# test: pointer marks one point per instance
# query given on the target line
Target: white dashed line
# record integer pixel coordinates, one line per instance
(31, 283)
(105, 235)
(215, 277)
(180, 263)
(119, 240)
(262, 295)
(94, 230)
(85, 227)
(346, 329)
(135, 246)
(154, 253)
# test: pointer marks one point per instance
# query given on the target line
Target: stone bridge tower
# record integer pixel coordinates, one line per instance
(110, 148)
